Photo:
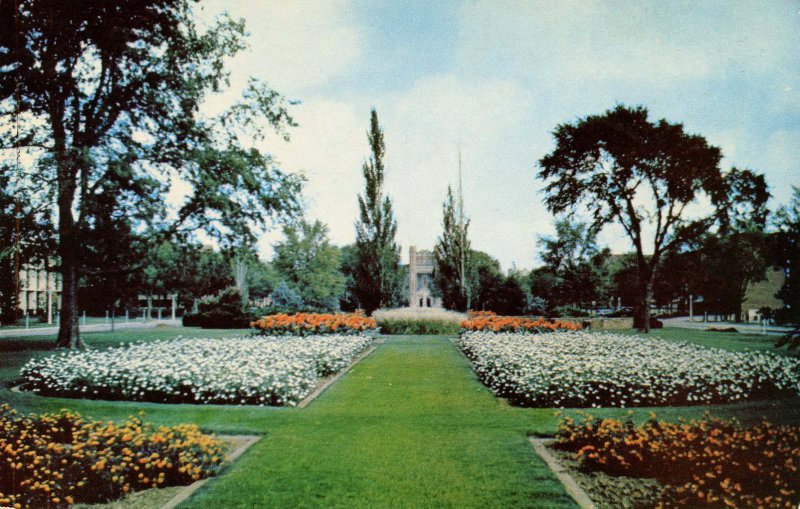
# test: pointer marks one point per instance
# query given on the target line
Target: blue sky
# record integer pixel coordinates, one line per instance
(494, 78)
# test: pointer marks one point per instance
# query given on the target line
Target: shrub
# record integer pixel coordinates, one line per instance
(568, 311)
(222, 311)
(420, 327)
(708, 463)
(438, 314)
(283, 297)
(54, 460)
(305, 324)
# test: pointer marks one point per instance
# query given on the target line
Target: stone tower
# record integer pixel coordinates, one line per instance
(420, 279)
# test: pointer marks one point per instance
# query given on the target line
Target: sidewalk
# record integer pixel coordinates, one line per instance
(96, 327)
(698, 323)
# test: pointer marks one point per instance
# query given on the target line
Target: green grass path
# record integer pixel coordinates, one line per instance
(409, 426)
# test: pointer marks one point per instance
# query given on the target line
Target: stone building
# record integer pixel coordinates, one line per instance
(420, 279)
(39, 290)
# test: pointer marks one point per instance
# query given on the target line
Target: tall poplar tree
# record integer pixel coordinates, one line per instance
(378, 276)
(451, 255)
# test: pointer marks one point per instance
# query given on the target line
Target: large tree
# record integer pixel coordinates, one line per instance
(451, 255)
(641, 175)
(378, 278)
(310, 265)
(114, 89)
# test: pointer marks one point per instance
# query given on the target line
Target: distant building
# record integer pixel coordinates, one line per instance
(39, 289)
(420, 279)
(761, 294)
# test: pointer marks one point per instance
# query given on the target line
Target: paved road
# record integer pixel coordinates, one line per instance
(96, 327)
(750, 328)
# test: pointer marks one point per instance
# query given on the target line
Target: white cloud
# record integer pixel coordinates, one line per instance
(294, 45)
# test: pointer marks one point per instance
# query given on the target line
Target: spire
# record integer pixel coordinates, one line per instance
(462, 233)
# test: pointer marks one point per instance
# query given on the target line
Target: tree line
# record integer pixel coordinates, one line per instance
(103, 108)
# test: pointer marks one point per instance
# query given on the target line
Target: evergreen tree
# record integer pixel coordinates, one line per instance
(377, 278)
(451, 255)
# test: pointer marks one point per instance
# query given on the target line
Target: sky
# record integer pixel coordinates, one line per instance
(492, 79)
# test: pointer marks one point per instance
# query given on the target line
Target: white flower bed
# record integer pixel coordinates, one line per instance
(581, 369)
(419, 314)
(245, 370)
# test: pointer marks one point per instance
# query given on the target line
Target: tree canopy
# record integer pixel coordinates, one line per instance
(625, 169)
(108, 95)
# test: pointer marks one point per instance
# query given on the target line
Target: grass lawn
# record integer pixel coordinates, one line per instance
(409, 426)
(726, 340)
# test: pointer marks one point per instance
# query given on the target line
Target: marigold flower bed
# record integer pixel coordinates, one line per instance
(246, 370)
(702, 463)
(491, 322)
(305, 324)
(581, 369)
(54, 460)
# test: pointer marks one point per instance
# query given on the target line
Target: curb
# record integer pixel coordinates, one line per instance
(575, 491)
(246, 441)
(327, 382)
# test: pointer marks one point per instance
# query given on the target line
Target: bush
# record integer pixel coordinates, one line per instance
(283, 297)
(702, 463)
(420, 327)
(82, 461)
(222, 311)
(568, 311)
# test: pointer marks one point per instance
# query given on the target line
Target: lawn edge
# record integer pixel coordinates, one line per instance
(327, 382)
(247, 441)
(570, 485)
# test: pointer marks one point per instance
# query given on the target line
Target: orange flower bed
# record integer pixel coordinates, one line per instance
(306, 324)
(489, 321)
(55, 460)
(708, 463)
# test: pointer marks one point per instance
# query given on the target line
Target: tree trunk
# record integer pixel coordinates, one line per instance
(68, 333)
(642, 314)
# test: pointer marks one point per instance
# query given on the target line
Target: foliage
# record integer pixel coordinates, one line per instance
(560, 311)
(485, 278)
(378, 280)
(55, 460)
(25, 238)
(491, 322)
(574, 271)
(582, 369)
(628, 170)
(284, 297)
(708, 462)
(786, 255)
(509, 298)
(108, 98)
(728, 265)
(310, 265)
(238, 371)
(222, 311)
(306, 324)
(451, 255)
(429, 326)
